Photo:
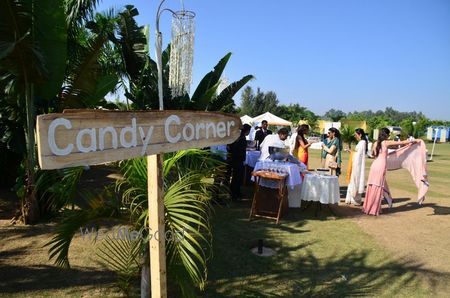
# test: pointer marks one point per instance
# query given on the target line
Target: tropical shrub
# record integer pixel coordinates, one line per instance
(188, 186)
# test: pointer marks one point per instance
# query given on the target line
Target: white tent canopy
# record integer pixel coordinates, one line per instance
(271, 119)
(246, 119)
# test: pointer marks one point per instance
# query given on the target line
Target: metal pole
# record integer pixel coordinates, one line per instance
(434, 143)
(155, 184)
(158, 50)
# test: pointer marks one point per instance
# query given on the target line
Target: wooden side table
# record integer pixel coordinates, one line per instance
(267, 202)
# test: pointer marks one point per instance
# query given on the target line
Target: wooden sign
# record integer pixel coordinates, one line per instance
(86, 137)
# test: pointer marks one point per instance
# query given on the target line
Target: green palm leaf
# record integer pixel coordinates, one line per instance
(186, 200)
(101, 207)
(210, 79)
(226, 96)
(123, 257)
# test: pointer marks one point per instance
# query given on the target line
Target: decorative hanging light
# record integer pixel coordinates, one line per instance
(181, 52)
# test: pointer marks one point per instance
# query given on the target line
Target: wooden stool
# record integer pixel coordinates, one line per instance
(259, 198)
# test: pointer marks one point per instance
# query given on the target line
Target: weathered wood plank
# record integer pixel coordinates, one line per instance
(76, 138)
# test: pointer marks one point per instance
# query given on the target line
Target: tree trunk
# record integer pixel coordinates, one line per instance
(145, 275)
(30, 206)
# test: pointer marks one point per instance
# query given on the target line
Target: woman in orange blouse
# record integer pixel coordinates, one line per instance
(301, 144)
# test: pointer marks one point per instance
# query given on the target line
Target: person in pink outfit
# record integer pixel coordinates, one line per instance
(377, 188)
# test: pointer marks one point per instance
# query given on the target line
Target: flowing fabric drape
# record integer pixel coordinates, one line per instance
(414, 159)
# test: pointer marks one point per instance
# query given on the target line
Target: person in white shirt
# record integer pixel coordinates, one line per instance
(292, 140)
(273, 141)
(251, 135)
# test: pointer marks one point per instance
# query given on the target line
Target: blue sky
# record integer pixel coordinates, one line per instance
(351, 55)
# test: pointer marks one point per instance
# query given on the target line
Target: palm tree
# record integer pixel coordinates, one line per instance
(49, 62)
(347, 135)
(23, 66)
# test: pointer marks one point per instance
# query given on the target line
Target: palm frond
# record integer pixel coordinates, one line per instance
(186, 201)
(19, 53)
(102, 206)
(226, 96)
(56, 188)
(210, 79)
(123, 257)
(188, 215)
(78, 11)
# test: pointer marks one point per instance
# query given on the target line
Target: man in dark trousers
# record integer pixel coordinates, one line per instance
(237, 151)
(262, 133)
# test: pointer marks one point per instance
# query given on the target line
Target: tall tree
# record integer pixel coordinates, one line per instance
(295, 112)
(255, 104)
(247, 101)
(49, 61)
(335, 115)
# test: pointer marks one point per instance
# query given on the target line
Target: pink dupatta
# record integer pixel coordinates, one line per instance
(414, 159)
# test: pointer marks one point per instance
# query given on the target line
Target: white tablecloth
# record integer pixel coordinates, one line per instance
(251, 157)
(316, 146)
(320, 188)
(293, 180)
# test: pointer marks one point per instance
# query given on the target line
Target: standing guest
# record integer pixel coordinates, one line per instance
(301, 144)
(251, 135)
(273, 141)
(376, 183)
(261, 134)
(332, 151)
(236, 161)
(358, 163)
(221, 172)
(292, 140)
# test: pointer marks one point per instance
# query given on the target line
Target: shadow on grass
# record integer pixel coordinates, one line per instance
(17, 279)
(309, 276)
(9, 204)
(297, 269)
(438, 210)
(22, 233)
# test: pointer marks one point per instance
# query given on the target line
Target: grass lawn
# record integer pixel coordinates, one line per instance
(402, 253)
(324, 255)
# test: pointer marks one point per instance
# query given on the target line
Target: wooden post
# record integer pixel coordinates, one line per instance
(156, 225)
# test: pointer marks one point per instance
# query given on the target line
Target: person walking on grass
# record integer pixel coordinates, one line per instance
(377, 188)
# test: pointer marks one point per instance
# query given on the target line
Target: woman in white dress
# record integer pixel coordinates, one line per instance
(356, 185)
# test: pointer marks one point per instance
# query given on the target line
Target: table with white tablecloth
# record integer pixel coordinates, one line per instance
(320, 188)
(252, 157)
(293, 180)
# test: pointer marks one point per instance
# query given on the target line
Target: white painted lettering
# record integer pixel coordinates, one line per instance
(169, 120)
(229, 125)
(199, 126)
(186, 128)
(145, 139)
(208, 126)
(51, 136)
(90, 132)
(101, 137)
(131, 129)
(221, 130)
